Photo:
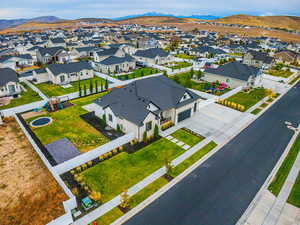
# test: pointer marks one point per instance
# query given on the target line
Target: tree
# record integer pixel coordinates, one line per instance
(192, 73)
(96, 86)
(156, 131)
(101, 85)
(91, 87)
(124, 199)
(165, 73)
(168, 165)
(145, 137)
(199, 75)
(106, 84)
(118, 128)
(84, 90)
(95, 195)
(79, 89)
(104, 120)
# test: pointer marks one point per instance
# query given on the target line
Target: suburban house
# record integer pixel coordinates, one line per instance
(105, 53)
(82, 52)
(64, 73)
(234, 74)
(205, 51)
(9, 83)
(153, 56)
(54, 54)
(57, 42)
(287, 57)
(138, 108)
(115, 64)
(15, 62)
(257, 59)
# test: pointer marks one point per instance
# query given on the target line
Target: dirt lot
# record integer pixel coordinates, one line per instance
(28, 193)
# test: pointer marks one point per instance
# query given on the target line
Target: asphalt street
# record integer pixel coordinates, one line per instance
(220, 190)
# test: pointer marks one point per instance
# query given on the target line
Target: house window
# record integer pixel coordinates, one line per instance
(148, 126)
(110, 117)
(62, 79)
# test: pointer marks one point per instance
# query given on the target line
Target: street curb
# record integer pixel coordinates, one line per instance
(254, 202)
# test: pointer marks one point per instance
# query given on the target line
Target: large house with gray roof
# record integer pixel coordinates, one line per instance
(53, 54)
(64, 73)
(153, 56)
(141, 105)
(115, 64)
(9, 82)
(257, 59)
(234, 74)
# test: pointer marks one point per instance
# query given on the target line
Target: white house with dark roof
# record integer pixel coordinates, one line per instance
(115, 64)
(138, 107)
(9, 82)
(70, 72)
(153, 56)
(15, 62)
(57, 42)
(105, 53)
(234, 74)
(53, 54)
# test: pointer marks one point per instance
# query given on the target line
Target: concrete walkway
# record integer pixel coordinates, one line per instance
(276, 210)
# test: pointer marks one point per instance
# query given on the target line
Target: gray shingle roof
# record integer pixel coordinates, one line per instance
(75, 67)
(261, 56)
(7, 75)
(235, 70)
(131, 101)
(51, 51)
(111, 60)
(151, 53)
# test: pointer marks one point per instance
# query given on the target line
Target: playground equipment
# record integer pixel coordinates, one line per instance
(53, 105)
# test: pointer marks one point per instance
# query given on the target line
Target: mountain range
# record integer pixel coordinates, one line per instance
(15, 22)
(201, 17)
(7, 23)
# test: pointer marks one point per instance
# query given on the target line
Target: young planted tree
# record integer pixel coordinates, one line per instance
(145, 139)
(106, 84)
(79, 90)
(165, 73)
(84, 90)
(168, 165)
(91, 87)
(124, 199)
(101, 85)
(156, 131)
(104, 120)
(96, 86)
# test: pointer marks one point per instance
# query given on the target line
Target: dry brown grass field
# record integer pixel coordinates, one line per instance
(28, 192)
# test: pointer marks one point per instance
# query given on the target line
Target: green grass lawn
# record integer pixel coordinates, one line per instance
(248, 99)
(187, 137)
(139, 73)
(179, 65)
(110, 216)
(27, 97)
(193, 159)
(294, 80)
(280, 73)
(285, 168)
(184, 56)
(184, 79)
(124, 170)
(56, 90)
(294, 197)
(67, 123)
(256, 111)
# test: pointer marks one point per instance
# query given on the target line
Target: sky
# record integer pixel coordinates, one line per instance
(72, 9)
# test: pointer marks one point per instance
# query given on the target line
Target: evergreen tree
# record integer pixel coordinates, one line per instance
(106, 84)
(91, 87)
(101, 85)
(145, 137)
(84, 90)
(96, 86)
(156, 131)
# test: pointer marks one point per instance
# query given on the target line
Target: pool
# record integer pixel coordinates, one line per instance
(42, 121)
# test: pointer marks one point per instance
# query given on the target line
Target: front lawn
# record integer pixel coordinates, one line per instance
(185, 79)
(285, 168)
(193, 159)
(184, 56)
(56, 90)
(139, 73)
(187, 137)
(294, 197)
(178, 65)
(27, 97)
(280, 73)
(67, 123)
(124, 170)
(248, 99)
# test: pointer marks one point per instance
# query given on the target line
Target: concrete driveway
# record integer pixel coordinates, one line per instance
(215, 120)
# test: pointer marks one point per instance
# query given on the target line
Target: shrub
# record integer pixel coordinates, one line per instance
(145, 137)
(156, 131)
(121, 148)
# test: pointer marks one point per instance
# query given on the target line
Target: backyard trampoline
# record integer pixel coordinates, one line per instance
(40, 122)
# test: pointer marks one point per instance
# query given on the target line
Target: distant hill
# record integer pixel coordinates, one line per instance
(283, 22)
(15, 22)
(202, 17)
(155, 20)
